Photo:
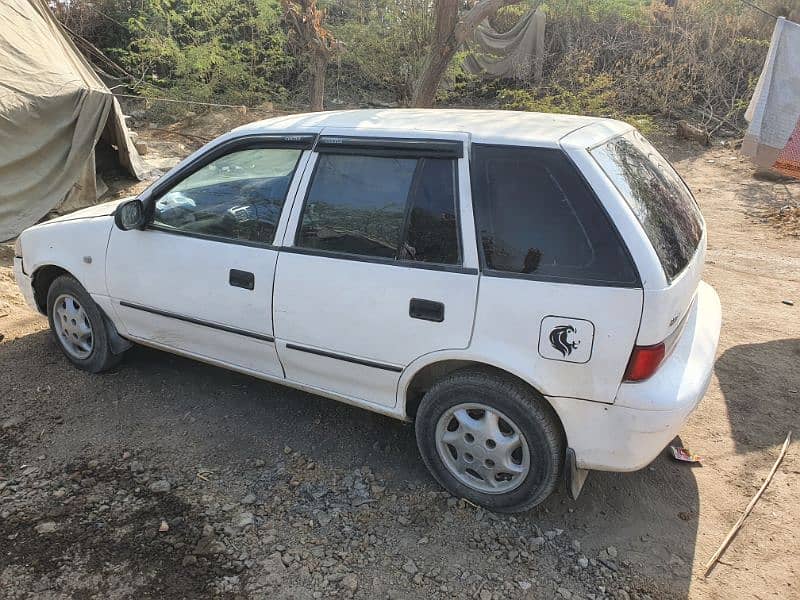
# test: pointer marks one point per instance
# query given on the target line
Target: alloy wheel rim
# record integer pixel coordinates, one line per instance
(482, 448)
(73, 327)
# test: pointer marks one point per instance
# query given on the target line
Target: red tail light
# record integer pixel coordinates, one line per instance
(644, 362)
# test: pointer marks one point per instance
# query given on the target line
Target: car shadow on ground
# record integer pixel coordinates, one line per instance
(745, 372)
(196, 414)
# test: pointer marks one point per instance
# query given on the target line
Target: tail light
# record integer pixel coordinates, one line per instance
(644, 362)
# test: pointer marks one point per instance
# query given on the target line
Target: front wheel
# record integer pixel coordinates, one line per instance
(78, 326)
(491, 440)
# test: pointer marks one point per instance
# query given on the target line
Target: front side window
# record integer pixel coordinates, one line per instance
(238, 196)
(390, 208)
(536, 216)
(657, 196)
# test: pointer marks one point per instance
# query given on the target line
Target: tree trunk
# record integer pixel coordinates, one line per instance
(449, 32)
(319, 64)
(443, 48)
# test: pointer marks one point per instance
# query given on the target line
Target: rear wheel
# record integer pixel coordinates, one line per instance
(78, 326)
(491, 440)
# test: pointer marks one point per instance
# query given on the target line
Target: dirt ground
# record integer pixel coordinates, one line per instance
(171, 479)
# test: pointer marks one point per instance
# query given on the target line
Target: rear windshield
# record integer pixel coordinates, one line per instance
(659, 198)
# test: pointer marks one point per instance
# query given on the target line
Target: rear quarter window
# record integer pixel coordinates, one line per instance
(538, 218)
(658, 197)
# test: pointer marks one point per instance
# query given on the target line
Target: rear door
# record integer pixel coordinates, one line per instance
(372, 273)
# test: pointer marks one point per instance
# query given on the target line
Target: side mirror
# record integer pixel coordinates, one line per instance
(130, 215)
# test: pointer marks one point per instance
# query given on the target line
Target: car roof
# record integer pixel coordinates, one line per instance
(483, 126)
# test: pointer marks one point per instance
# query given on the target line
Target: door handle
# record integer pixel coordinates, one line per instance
(242, 279)
(427, 310)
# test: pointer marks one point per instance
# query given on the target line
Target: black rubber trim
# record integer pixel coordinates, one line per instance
(556, 279)
(164, 313)
(390, 147)
(379, 261)
(212, 238)
(342, 357)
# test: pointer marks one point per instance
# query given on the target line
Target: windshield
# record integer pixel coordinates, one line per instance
(658, 197)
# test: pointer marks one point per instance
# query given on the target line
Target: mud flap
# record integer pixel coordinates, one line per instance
(574, 477)
(118, 343)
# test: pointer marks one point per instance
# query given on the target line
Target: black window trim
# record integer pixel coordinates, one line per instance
(149, 197)
(389, 147)
(489, 272)
(431, 266)
(379, 260)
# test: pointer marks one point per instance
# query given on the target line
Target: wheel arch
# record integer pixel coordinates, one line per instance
(41, 280)
(425, 371)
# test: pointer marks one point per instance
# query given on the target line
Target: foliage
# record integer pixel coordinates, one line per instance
(620, 58)
(226, 50)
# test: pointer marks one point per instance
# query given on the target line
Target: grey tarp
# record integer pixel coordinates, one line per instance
(516, 53)
(53, 110)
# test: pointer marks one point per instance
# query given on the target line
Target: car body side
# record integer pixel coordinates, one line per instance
(621, 429)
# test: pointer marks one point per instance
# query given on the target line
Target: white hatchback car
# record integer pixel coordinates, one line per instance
(525, 287)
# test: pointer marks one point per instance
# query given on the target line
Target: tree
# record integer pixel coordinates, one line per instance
(449, 32)
(306, 21)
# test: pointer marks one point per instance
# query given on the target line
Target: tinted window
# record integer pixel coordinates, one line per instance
(658, 197)
(536, 215)
(238, 196)
(393, 208)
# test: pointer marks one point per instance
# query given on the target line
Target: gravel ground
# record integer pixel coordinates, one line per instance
(171, 479)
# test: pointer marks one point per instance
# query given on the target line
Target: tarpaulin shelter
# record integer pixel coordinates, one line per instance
(774, 111)
(54, 109)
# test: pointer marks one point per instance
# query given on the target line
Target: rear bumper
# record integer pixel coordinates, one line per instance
(629, 434)
(24, 283)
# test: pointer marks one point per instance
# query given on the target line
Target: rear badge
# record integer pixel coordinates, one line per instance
(566, 339)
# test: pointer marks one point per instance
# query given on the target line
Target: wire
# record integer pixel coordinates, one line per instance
(759, 9)
(148, 99)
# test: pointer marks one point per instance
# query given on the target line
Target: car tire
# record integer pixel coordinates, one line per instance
(78, 326)
(490, 439)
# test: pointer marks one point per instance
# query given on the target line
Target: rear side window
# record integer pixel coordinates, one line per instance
(391, 208)
(658, 197)
(536, 216)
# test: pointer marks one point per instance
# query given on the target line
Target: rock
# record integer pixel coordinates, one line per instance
(189, 560)
(417, 579)
(46, 527)
(350, 582)
(536, 542)
(9, 423)
(161, 486)
(524, 585)
(273, 571)
(249, 499)
(410, 567)
(244, 520)
(485, 595)
(258, 463)
(141, 147)
(564, 593)
(583, 562)
(550, 535)
(612, 552)
(207, 544)
(576, 545)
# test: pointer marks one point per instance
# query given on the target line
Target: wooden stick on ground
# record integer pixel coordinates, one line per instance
(735, 529)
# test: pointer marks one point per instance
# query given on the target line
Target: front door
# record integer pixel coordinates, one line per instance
(372, 274)
(198, 280)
